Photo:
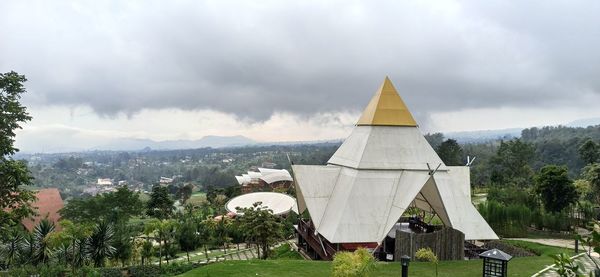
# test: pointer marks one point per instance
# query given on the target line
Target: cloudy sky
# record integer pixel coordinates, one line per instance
(294, 70)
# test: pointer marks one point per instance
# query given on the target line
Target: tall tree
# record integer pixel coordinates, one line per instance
(591, 174)
(188, 236)
(114, 207)
(123, 243)
(451, 153)
(589, 151)
(511, 164)
(160, 204)
(75, 234)
(100, 243)
(185, 192)
(41, 235)
(14, 175)
(261, 226)
(555, 188)
(435, 139)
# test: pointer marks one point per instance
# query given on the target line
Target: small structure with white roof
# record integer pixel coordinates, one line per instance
(266, 179)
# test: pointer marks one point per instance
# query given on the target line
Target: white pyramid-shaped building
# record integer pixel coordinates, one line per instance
(381, 169)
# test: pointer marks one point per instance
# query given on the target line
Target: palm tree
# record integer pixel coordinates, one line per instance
(10, 250)
(41, 236)
(100, 243)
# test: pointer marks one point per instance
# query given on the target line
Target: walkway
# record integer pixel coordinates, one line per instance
(584, 261)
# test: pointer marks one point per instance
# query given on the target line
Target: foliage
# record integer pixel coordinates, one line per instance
(513, 250)
(40, 270)
(285, 252)
(555, 188)
(592, 243)
(100, 243)
(511, 164)
(185, 192)
(451, 153)
(591, 174)
(173, 269)
(261, 226)
(114, 207)
(564, 266)
(160, 205)
(144, 271)
(109, 272)
(426, 255)
(435, 139)
(123, 243)
(14, 175)
(42, 248)
(187, 237)
(353, 264)
(589, 151)
(513, 220)
(510, 195)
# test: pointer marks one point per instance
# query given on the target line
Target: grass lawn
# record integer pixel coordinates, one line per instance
(517, 267)
(197, 198)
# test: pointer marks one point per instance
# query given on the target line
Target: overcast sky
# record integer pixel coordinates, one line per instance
(304, 70)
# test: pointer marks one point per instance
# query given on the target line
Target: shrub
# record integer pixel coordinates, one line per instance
(515, 248)
(357, 264)
(144, 271)
(176, 268)
(109, 272)
(41, 270)
(427, 255)
(285, 252)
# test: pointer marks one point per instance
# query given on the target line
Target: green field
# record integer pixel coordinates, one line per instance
(197, 198)
(516, 267)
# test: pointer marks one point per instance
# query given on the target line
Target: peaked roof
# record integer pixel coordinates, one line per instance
(386, 109)
(48, 204)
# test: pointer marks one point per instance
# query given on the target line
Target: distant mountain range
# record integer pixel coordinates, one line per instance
(132, 144)
(488, 135)
(207, 141)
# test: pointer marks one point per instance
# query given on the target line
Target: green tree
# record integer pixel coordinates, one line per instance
(187, 237)
(160, 204)
(14, 175)
(76, 234)
(123, 243)
(511, 164)
(114, 207)
(451, 153)
(122, 205)
(555, 188)
(589, 151)
(41, 234)
(591, 174)
(185, 192)
(435, 139)
(261, 226)
(100, 243)
(11, 247)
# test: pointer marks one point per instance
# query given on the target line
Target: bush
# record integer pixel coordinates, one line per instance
(42, 271)
(285, 252)
(357, 264)
(427, 255)
(109, 272)
(513, 250)
(176, 268)
(144, 271)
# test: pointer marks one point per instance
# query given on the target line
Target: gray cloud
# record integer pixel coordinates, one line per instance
(303, 57)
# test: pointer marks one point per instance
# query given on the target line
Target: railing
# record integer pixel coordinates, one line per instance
(320, 245)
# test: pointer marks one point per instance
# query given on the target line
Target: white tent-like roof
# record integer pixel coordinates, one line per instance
(381, 169)
(268, 175)
(279, 203)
